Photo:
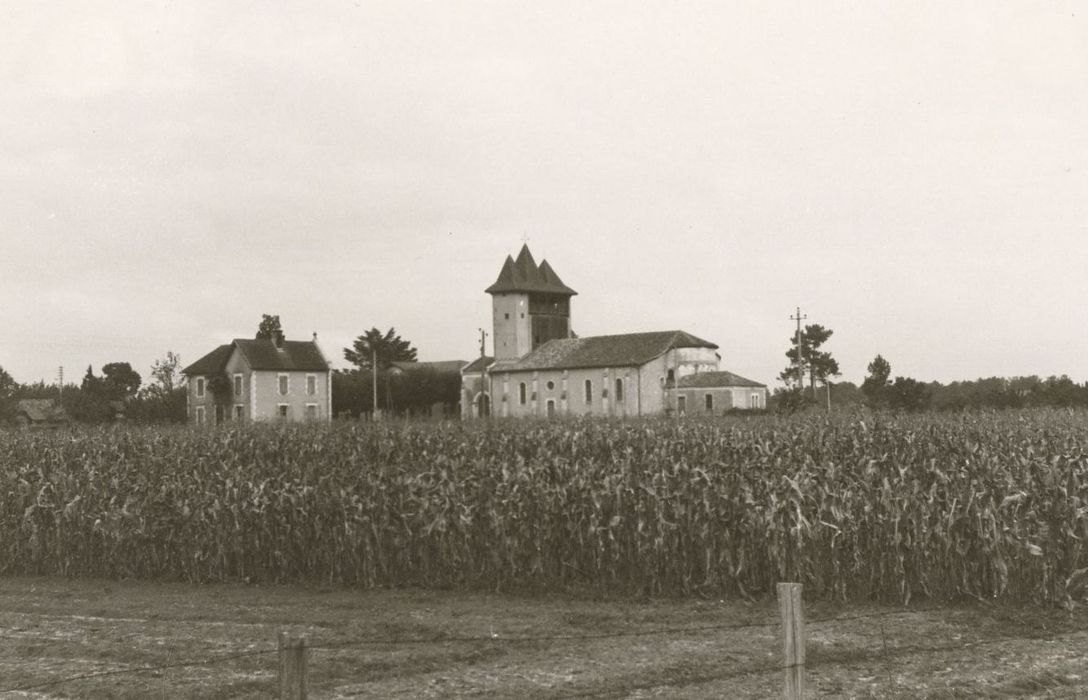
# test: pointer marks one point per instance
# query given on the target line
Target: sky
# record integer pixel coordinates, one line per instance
(913, 176)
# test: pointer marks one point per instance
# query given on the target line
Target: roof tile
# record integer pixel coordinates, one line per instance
(715, 379)
(627, 350)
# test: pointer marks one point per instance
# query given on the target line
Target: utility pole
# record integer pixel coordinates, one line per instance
(484, 388)
(797, 340)
(374, 380)
(60, 384)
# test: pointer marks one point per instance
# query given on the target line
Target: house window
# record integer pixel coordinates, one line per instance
(200, 415)
(311, 384)
(681, 404)
(283, 411)
(284, 384)
(753, 400)
(200, 387)
(521, 393)
(708, 399)
(589, 391)
(239, 411)
(507, 317)
(237, 385)
(311, 412)
(619, 389)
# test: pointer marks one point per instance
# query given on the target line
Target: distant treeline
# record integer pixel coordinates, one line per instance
(906, 394)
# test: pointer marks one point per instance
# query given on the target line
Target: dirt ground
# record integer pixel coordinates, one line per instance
(99, 639)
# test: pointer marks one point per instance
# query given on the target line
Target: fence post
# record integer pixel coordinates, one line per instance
(292, 675)
(793, 639)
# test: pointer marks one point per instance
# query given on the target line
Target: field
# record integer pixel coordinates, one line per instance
(474, 645)
(551, 559)
(976, 506)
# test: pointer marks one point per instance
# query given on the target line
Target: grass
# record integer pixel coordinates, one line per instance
(581, 645)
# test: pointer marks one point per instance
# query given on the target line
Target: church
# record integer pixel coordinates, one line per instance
(541, 368)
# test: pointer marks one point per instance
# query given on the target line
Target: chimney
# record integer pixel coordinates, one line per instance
(277, 338)
(315, 336)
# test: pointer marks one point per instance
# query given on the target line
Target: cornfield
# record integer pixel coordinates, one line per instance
(861, 508)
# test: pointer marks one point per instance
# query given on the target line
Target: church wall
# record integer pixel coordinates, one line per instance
(512, 334)
(568, 392)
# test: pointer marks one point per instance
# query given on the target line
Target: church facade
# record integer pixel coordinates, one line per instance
(541, 368)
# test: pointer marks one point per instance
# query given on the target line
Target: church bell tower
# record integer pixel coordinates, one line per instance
(530, 306)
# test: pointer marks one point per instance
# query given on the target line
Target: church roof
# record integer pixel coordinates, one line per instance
(627, 350)
(524, 275)
(477, 365)
(705, 380)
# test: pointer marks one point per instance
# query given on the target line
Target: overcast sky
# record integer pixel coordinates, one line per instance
(913, 175)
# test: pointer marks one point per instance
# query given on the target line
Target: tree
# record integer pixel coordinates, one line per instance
(268, 326)
(875, 386)
(375, 351)
(816, 363)
(387, 348)
(7, 394)
(167, 373)
(120, 379)
(162, 399)
(908, 394)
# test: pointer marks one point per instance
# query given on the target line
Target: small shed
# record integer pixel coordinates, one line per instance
(39, 414)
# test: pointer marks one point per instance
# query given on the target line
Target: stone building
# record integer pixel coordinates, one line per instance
(265, 379)
(541, 368)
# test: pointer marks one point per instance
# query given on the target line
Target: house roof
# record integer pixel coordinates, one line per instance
(40, 410)
(627, 350)
(262, 354)
(706, 380)
(524, 275)
(214, 361)
(477, 365)
(441, 366)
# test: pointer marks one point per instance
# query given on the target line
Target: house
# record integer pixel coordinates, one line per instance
(541, 368)
(39, 413)
(264, 379)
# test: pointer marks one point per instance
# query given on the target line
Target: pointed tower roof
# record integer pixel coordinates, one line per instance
(524, 275)
(552, 279)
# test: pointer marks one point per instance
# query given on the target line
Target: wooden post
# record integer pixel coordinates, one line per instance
(793, 639)
(292, 667)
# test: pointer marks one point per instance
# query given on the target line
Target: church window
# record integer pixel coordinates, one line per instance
(589, 391)
(681, 404)
(550, 385)
(521, 393)
(507, 317)
(669, 376)
(619, 389)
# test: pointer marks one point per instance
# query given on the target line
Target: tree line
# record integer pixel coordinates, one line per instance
(118, 391)
(809, 360)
